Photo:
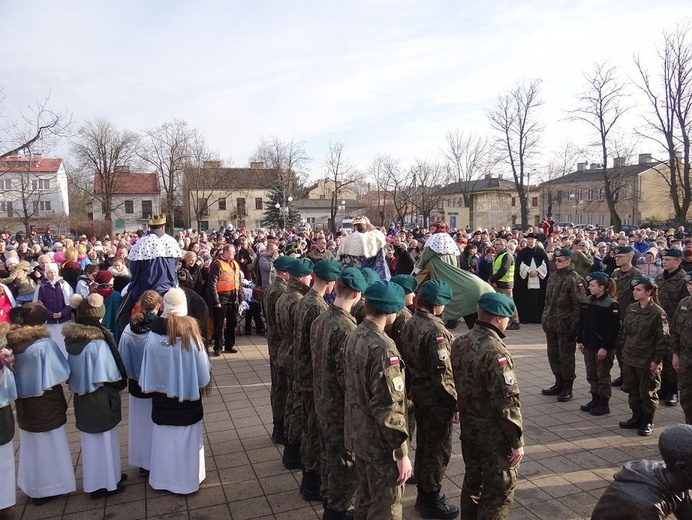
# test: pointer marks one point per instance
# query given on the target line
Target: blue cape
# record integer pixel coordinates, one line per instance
(39, 368)
(131, 348)
(92, 367)
(8, 388)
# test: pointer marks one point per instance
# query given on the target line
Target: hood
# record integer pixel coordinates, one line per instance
(78, 336)
(21, 338)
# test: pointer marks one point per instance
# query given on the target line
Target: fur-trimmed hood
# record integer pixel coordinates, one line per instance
(78, 336)
(21, 338)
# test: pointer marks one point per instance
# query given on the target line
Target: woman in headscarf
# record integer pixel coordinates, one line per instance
(54, 294)
(175, 365)
(8, 391)
(97, 377)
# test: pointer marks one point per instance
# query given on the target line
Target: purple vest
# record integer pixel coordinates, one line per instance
(53, 299)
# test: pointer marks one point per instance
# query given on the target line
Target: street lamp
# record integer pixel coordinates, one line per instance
(283, 210)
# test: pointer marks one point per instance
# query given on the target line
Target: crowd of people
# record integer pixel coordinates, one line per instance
(361, 355)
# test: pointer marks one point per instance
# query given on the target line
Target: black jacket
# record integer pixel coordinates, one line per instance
(599, 323)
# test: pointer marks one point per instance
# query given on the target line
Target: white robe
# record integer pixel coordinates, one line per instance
(45, 464)
(101, 460)
(8, 493)
(177, 458)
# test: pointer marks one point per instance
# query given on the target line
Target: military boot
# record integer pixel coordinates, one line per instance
(278, 435)
(672, 396)
(433, 506)
(566, 394)
(617, 381)
(556, 389)
(633, 422)
(330, 514)
(591, 404)
(310, 487)
(291, 457)
(602, 407)
(647, 425)
(419, 498)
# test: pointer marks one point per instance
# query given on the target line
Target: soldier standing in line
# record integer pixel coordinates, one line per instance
(681, 345)
(409, 284)
(492, 442)
(425, 347)
(623, 275)
(375, 428)
(671, 289)
(358, 309)
(307, 311)
(298, 284)
(645, 334)
(328, 336)
(564, 295)
(278, 378)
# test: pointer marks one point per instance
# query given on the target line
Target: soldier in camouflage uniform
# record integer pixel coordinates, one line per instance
(375, 428)
(623, 275)
(298, 285)
(671, 289)
(645, 335)
(409, 284)
(328, 337)
(278, 378)
(492, 441)
(564, 294)
(681, 345)
(307, 311)
(358, 310)
(425, 347)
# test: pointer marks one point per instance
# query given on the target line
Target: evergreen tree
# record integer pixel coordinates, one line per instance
(286, 212)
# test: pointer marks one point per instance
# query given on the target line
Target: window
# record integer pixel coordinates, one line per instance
(601, 195)
(103, 207)
(44, 205)
(589, 196)
(146, 208)
(6, 207)
(534, 202)
(5, 184)
(589, 218)
(258, 203)
(222, 204)
(129, 206)
(580, 195)
(568, 217)
(626, 192)
(514, 201)
(240, 206)
(601, 219)
(40, 184)
(579, 219)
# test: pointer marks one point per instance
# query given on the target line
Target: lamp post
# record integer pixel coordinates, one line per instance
(283, 210)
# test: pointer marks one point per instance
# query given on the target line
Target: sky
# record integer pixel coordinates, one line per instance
(381, 76)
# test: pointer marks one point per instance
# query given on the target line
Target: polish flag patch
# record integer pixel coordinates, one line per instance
(394, 360)
(502, 360)
(440, 339)
(615, 311)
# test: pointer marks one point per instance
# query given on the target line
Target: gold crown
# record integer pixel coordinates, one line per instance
(157, 220)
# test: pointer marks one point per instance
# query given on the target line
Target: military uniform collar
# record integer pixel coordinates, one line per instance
(428, 315)
(338, 310)
(490, 328)
(370, 324)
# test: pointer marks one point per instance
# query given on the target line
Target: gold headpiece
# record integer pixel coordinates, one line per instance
(157, 220)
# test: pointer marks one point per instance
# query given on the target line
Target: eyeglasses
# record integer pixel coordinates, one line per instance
(561, 259)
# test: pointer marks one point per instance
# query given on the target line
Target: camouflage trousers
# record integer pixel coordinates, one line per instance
(310, 442)
(641, 387)
(279, 392)
(433, 446)
(598, 372)
(685, 389)
(339, 478)
(669, 377)
(561, 354)
(378, 496)
(293, 416)
(488, 489)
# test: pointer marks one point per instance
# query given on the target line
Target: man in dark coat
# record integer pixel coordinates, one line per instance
(530, 281)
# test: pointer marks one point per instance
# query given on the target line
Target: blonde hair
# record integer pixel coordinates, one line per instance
(185, 328)
(147, 302)
(70, 255)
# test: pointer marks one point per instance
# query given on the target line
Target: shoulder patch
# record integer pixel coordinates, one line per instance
(394, 360)
(502, 360)
(509, 378)
(440, 338)
(666, 325)
(615, 311)
(398, 383)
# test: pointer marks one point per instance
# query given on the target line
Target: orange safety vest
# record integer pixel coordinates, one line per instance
(229, 276)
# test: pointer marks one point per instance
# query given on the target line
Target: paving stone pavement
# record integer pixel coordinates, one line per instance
(570, 455)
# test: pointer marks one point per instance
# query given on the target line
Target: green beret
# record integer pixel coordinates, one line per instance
(673, 252)
(407, 282)
(300, 267)
(282, 263)
(327, 270)
(436, 292)
(623, 250)
(385, 297)
(497, 304)
(370, 275)
(563, 251)
(352, 277)
(688, 276)
(597, 275)
(641, 279)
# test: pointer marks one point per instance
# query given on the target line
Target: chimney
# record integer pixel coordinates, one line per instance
(619, 162)
(581, 166)
(257, 165)
(488, 175)
(644, 158)
(594, 166)
(210, 165)
(122, 169)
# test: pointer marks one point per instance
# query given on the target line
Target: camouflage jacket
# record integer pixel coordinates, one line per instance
(358, 311)
(271, 296)
(624, 288)
(644, 336)
(307, 311)
(671, 290)
(375, 419)
(285, 321)
(680, 337)
(564, 294)
(488, 395)
(394, 330)
(327, 339)
(425, 346)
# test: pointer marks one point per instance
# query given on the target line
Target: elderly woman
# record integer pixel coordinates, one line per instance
(54, 294)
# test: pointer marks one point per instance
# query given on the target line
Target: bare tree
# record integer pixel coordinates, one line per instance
(108, 152)
(399, 187)
(515, 118)
(289, 158)
(341, 174)
(168, 149)
(669, 93)
(601, 105)
(561, 163)
(468, 157)
(430, 177)
(380, 172)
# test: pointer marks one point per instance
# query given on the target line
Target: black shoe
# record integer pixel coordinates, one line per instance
(217, 353)
(278, 436)
(671, 399)
(310, 487)
(514, 326)
(44, 500)
(617, 381)
(566, 394)
(103, 492)
(633, 422)
(602, 408)
(330, 514)
(591, 404)
(291, 458)
(143, 472)
(647, 425)
(248, 332)
(556, 389)
(432, 505)
(232, 350)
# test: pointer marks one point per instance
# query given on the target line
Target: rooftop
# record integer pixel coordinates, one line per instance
(237, 178)
(131, 183)
(34, 164)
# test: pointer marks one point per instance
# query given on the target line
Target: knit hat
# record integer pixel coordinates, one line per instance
(407, 282)
(327, 270)
(174, 302)
(436, 292)
(352, 277)
(103, 277)
(282, 263)
(90, 307)
(370, 275)
(300, 267)
(497, 304)
(385, 297)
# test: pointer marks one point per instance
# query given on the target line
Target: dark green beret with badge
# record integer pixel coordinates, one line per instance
(563, 251)
(596, 275)
(688, 276)
(436, 292)
(371, 275)
(673, 252)
(353, 278)
(300, 267)
(327, 270)
(641, 279)
(407, 282)
(623, 250)
(385, 297)
(282, 263)
(497, 304)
